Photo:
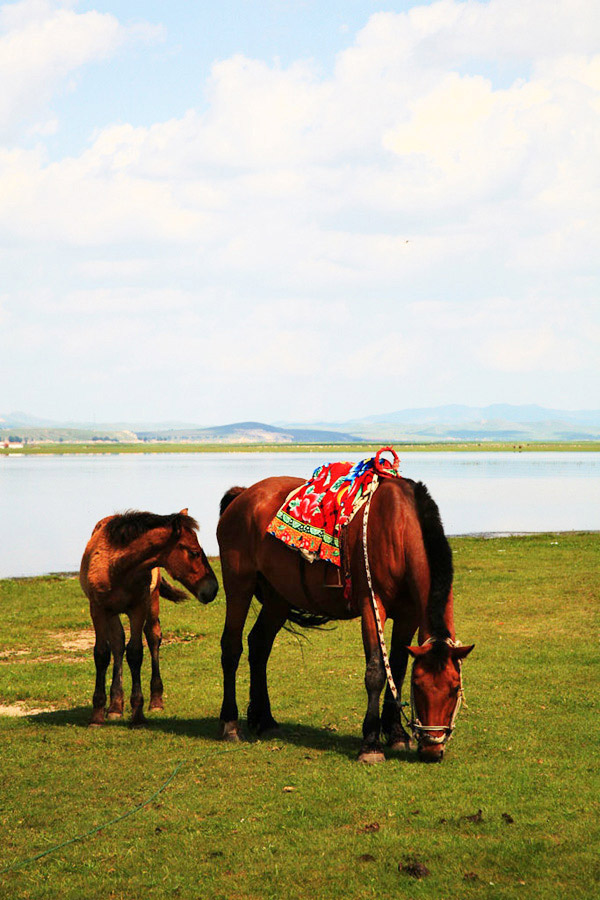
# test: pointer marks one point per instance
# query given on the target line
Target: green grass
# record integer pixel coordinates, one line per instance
(224, 827)
(45, 449)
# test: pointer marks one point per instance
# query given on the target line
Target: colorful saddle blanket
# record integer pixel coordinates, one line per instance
(313, 515)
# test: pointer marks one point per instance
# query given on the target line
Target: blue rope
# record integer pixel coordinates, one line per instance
(80, 837)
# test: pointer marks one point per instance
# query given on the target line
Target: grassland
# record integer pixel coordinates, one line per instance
(512, 812)
(43, 449)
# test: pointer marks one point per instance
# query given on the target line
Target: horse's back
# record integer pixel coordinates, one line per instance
(252, 509)
(95, 563)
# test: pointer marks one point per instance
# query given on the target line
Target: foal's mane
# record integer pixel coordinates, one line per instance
(126, 527)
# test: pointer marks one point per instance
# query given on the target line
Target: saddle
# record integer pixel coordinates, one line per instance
(314, 517)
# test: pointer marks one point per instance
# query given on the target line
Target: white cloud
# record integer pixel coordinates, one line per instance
(447, 33)
(387, 357)
(285, 150)
(124, 301)
(405, 198)
(533, 350)
(42, 43)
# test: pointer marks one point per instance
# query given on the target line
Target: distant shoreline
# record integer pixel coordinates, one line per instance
(519, 537)
(98, 447)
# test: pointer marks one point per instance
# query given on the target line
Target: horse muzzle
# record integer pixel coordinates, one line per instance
(431, 752)
(207, 589)
(431, 747)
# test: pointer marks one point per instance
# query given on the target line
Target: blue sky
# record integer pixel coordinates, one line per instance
(295, 210)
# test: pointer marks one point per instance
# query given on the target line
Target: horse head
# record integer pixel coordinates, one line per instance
(436, 694)
(187, 562)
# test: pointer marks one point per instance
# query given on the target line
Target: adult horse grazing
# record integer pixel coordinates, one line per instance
(399, 565)
(119, 574)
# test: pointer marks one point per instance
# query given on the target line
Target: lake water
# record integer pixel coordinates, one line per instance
(50, 504)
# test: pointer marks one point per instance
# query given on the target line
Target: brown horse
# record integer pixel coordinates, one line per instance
(119, 574)
(411, 566)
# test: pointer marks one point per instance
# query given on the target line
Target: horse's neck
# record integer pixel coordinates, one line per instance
(449, 615)
(424, 628)
(146, 552)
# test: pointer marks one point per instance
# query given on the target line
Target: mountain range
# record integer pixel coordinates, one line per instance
(439, 423)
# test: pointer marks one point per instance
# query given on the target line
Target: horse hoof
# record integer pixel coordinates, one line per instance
(156, 703)
(267, 729)
(371, 757)
(95, 724)
(114, 714)
(230, 731)
(262, 727)
(139, 720)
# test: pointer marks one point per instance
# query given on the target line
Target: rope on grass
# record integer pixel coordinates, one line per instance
(80, 837)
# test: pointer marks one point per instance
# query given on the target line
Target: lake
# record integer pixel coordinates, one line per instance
(49, 504)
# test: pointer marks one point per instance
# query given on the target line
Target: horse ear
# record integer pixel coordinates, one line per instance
(183, 512)
(461, 652)
(415, 652)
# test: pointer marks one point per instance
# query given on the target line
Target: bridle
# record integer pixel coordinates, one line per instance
(422, 733)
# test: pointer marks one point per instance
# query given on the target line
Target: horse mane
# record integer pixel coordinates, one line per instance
(229, 496)
(126, 527)
(439, 557)
(439, 653)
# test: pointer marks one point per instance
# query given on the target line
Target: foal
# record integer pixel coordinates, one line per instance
(120, 574)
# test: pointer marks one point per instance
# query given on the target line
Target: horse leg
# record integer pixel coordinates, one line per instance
(117, 645)
(153, 633)
(102, 661)
(238, 603)
(370, 751)
(135, 655)
(391, 716)
(260, 643)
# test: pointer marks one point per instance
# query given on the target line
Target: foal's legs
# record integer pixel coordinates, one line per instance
(260, 643)
(153, 633)
(117, 645)
(135, 654)
(370, 751)
(102, 660)
(238, 592)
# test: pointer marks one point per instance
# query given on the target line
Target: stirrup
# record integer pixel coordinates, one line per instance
(338, 583)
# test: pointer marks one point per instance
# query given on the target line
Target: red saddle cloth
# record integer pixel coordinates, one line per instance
(313, 515)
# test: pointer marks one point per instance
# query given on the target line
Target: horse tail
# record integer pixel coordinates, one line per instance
(171, 593)
(439, 558)
(229, 496)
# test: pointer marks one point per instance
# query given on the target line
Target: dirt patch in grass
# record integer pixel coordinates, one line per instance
(183, 638)
(82, 640)
(18, 709)
(52, 657)
(85, 640)
(77, 642)
(414, 867)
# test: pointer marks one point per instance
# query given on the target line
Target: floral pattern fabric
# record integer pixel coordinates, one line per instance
(312, 517)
